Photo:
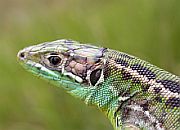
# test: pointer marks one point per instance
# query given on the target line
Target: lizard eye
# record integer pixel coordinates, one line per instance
(54, 60)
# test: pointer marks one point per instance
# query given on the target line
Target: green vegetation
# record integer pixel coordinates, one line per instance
(149, 29)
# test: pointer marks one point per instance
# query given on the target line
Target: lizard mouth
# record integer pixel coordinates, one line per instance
(27, 61)
(40, 71)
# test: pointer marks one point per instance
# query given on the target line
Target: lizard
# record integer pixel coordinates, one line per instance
(130, 91)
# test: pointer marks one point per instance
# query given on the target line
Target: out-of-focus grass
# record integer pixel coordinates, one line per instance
(148, 29)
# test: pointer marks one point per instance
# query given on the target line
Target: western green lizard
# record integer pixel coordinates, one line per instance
(130, 91)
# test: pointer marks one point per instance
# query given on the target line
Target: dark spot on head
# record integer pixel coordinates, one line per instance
(173, 102)
(171, 85)
(126, 75)
(22, 55)
(143, 71)
(94, 76)
(157, 89)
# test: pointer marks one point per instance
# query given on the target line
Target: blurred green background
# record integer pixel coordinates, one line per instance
(149, 29)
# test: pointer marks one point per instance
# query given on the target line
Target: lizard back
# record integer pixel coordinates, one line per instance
(149, 96)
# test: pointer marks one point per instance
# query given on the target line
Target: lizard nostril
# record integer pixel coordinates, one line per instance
(21, 55)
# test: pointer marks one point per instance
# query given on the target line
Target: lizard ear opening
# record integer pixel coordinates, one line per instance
(95, 76)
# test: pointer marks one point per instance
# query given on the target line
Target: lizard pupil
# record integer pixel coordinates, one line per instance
(94, 76)
(54, 60)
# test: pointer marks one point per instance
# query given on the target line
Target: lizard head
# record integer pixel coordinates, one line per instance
(76, 67)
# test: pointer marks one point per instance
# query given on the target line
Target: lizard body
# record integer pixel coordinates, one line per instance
(130, 91)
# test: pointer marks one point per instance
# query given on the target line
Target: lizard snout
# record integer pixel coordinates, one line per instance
(22, 55)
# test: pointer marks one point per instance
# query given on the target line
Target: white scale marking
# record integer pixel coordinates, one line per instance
(77, 78)
(37, 65)
(123, 98)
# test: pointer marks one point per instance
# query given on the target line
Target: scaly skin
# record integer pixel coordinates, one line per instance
(130, 91)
